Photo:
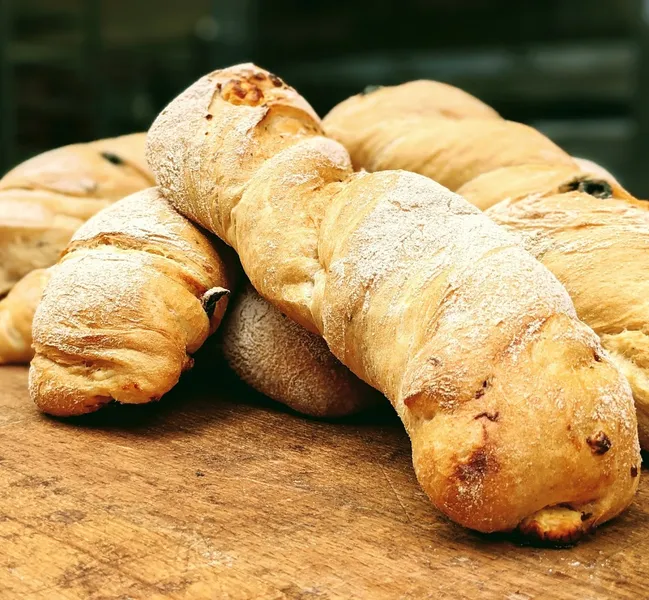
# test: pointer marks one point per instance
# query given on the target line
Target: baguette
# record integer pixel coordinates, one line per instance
(44, 200)
(573, 215)
(136, 293)
(518, 419)
(287, 363)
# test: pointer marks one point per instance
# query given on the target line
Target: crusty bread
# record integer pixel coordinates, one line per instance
(44, 200)
(454, 155)
(518, 418)
(410, 127)
(287, 363)
(308, 378)
(513, 183)
(598, 248)
(573, 215)
(16, 314)
(137, 291)
(416, 98)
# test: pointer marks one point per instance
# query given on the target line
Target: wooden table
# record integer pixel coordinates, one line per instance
(227, 495)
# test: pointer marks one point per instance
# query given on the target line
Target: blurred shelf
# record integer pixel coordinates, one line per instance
(572, 68)
(608, 142)
(589, 131)
(596, 70)
(44, 54)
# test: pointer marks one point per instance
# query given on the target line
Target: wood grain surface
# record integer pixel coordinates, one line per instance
(227, 495)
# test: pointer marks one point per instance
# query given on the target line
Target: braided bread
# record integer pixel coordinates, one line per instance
(44, 200)
(573, 215)
(137, 291)
(517, 418)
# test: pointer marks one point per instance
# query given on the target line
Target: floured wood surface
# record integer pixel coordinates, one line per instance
(230, 496)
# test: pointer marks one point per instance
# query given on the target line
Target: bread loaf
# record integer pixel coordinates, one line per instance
(16, 314)
(307, 377)
(287, 363)
(573, 215)
(598, 248)
(410, 127)
(517, 417)
(136, 293)
(44, 200)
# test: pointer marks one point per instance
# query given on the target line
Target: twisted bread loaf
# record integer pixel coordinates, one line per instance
(517, 418)
(574, 216)
(282, 360)
(137, 291)
(381, 131)
(44, 200)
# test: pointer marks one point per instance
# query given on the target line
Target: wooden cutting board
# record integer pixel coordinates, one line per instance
(227, 495)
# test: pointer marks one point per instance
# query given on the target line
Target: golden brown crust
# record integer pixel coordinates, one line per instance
(44, 200)
(515, 183)
(287, 363)
(418, 293)
(573, 215)
(457, 152)
(597, 248)
(558, 526)
(138, 290)
(16, 314)
(418, 98)
(105, 169)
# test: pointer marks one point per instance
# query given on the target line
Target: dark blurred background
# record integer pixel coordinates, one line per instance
(76, 70)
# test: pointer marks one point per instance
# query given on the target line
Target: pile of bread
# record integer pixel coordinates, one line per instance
(349, 259)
